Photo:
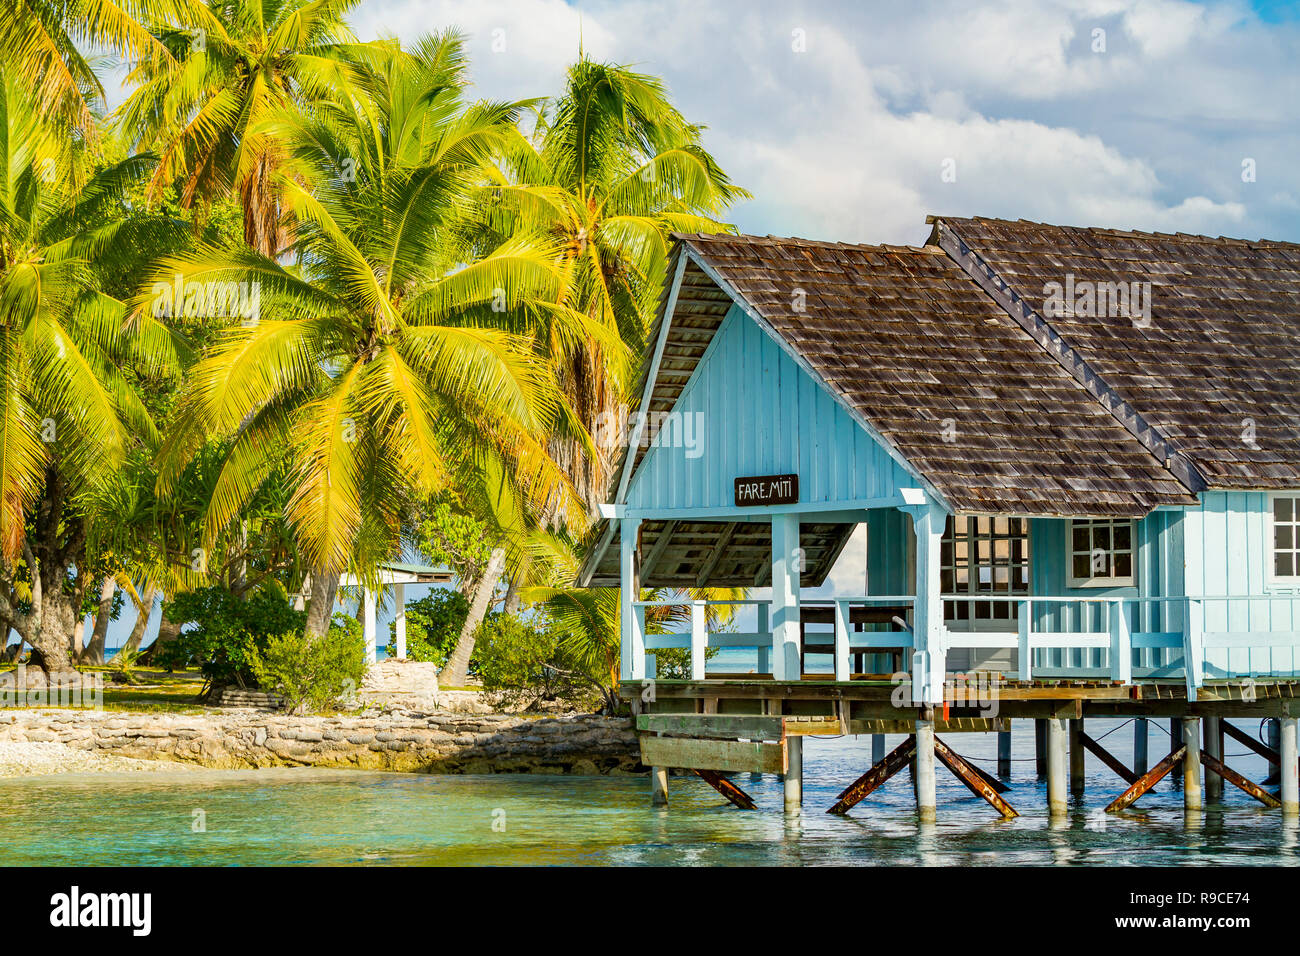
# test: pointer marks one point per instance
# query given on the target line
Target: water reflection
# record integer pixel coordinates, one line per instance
(305, 817)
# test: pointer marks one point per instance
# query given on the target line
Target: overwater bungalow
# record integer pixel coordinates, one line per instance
(1076, 452)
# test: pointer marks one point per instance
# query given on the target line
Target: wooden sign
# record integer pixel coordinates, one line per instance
(767, 490)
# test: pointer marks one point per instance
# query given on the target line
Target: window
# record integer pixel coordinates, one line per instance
(1286, 539)
(1101, 553)
(984, 555)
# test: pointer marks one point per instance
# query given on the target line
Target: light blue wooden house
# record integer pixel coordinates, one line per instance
(1076, 453)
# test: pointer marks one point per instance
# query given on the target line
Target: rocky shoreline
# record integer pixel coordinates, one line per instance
(404, 742)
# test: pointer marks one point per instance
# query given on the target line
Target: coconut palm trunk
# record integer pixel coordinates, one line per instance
(143, 612)
(320, 607)
(94, 651)
(456, 670)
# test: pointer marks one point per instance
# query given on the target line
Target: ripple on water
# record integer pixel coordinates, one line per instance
(344, 817)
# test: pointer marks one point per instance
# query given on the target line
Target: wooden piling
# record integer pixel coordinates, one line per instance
(658, 786)
(1004, 754)
(925, 778)
(794, 774)
(1193, 795)
(1273, 731)
(1141, 755)
(1040, 748)
(1214, 748)
(1289, 771)
(1056, 785)
(877, 748)
(1076, 757)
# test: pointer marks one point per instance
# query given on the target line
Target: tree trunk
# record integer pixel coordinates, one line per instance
(141, 621)
(94, 652)
(79, 638)
(320, 606)
(167, 632)
(51, 638)
(456, 669)
(511, 605)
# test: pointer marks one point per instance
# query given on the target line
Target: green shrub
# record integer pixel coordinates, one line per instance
(432, 625)
(311, 674)
(226, 632)
(523, 661)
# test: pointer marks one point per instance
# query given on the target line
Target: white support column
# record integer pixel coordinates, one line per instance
(787, 563)
(1193, 798)
(842, 634)
(930, 659)
(1057, 805)
(699, 638)
(399, 618)
(632, 644)
(793, 783)
(1290, 771)
(368, 622)
(1121, 645)
(924, 778)
(1193, 654)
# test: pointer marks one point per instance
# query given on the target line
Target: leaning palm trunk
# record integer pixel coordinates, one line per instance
(320, 607)
(94, 651)
(143, 612)
(456, 670)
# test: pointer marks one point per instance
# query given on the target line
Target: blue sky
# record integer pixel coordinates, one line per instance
(843, 117)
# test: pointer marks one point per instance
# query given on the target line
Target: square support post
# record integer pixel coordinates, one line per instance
(1214, 747)
(1141, 757)
(930, 658)
(632, 647)
(1077, 757)
(699, 638)
(399, 619)
(658, 786)
(368, 623)
(1004, 754)
(787, 563)
(1040, 748)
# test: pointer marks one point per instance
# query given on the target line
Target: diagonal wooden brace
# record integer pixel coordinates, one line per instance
(1147, 781)
(894, 761)
(1242, 783)
(1100, 752)
(728, 789)
(967, 774)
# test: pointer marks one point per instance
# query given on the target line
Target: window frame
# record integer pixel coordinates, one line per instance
(1110, 581)
(972, 596)
(1273, 579)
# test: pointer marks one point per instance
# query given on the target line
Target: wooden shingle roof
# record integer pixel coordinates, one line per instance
(1215, 367)
(945, 375)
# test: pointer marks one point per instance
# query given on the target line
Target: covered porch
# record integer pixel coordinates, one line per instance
(948, 603)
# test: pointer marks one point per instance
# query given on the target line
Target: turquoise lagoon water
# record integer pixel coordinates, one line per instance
(345, 817)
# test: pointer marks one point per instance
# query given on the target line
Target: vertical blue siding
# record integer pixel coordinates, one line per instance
(761, 414)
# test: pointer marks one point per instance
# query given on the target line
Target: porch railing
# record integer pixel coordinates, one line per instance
(1113, 638)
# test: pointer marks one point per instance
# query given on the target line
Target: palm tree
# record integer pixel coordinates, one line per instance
(68, 409)
(588, 623)
(611, 169)
(42, 42)
(396, 350)
(231, 65)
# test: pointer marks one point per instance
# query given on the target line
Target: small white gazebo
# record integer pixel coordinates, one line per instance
(397, 575)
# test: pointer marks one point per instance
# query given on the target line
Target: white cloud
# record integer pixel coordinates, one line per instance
(846, 140)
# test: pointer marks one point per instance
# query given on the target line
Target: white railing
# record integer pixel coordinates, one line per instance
(1223, 633)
